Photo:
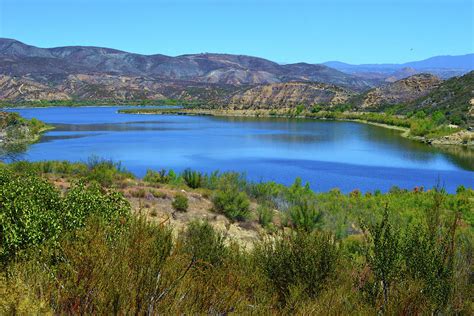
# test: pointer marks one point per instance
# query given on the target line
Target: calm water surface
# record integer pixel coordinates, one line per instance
(346, 155)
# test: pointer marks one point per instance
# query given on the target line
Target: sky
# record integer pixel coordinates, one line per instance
(353, 31)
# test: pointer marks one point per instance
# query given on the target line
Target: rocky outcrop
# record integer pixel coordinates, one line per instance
(289, 94)
(401, 91)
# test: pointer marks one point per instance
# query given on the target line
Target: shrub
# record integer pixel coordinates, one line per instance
(383, 258)
(205, 244)
(105, 172)
(31, 213)
(180, 203)
(299, 109)
(193, 179)
(82, 201)
(233, 204)
(159, 194)
(304, 215)
(297, 192)
(231, 181)
(264, 191)
(140, 193)
(316, 108)
(123, 278)
(265, 215)
(430, 260)
(421, 127)
(298, 259)
(159, 177)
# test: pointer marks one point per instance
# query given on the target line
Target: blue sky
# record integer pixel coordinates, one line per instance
(363, 31)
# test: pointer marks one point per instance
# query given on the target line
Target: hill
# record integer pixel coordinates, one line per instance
(454, 97)
(400, 91)
(280, 95)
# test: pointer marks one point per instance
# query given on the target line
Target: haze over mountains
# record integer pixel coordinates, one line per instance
(442, 66)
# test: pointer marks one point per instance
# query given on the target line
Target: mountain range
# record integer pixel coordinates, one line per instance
(441, 66)
(55, 64)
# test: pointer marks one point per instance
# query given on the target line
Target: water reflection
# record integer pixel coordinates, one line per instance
(114, 127)
(325, 153)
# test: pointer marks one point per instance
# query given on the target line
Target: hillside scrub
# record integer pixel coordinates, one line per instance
(180, 203)
(74, 250)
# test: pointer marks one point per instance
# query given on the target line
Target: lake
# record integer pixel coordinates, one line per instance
(327, 154)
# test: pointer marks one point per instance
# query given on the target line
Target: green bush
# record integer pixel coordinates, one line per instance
(421, 127)
(297, 192)
(180, 203)
(384, 258)
(159, 177)
(305, 215)
(33, 211)
(316, 108)
(265, 215)
(299, 259)
(233, 204)
(30, 213)
(123, 277)
(82, 201)
(299, 109)
(204, 244)
(265, 191)
(193, 179)
(106, 172)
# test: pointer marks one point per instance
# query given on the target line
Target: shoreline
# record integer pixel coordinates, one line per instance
(448, 140)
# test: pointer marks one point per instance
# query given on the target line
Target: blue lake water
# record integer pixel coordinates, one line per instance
(328, 154)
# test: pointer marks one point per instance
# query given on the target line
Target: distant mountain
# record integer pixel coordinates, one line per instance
(462, 62)
(442, 66)
(54, 65)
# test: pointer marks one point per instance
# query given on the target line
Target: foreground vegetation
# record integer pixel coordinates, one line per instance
(81, 249)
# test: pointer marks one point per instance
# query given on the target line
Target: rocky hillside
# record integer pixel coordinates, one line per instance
(401, 91)
(54, 65)
(26, 89)
(103, 87)
(280, 95)
(454, 97)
